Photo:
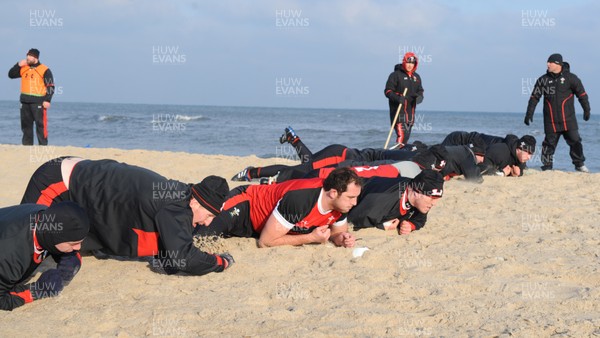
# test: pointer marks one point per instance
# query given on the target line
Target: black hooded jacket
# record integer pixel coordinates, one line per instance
(559, 91)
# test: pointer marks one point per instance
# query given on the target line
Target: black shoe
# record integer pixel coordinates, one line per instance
(243, 176)
(289, 136)
(546, 167)
(582, 169)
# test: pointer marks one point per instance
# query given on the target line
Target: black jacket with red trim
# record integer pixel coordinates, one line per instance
(16, 254)
(136, 212)
(559, 102)
(15, 73)
(380, 201)
(394, 87)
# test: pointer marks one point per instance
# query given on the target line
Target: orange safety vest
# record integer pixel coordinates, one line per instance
(32, 80)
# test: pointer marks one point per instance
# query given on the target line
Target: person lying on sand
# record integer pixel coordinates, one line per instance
(295, 212)
(135, 212)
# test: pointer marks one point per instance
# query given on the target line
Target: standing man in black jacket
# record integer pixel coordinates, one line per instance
(404, 76)
(559, 86)
(37, 88)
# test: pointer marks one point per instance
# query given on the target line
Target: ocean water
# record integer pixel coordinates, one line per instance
(242, 131)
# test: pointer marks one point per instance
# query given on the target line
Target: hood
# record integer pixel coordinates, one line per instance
(406, 56)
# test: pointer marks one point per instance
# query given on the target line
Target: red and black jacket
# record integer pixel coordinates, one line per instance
(559, 91)
(15, 73)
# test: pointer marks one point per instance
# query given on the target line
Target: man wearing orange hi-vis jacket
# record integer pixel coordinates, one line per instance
(37, 88)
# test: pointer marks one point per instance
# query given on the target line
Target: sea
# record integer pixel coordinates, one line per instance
(242, 131)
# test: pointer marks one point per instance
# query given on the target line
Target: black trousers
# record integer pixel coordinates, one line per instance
(573, 140)
(46, 185)
(33, 113)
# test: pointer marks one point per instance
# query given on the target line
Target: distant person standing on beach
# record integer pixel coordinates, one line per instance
(404, 77)
(37, 88)
(559, 86)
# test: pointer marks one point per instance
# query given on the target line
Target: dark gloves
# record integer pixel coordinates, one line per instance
(227, 260)
(528, 118)
(586, 115)
(50, 284)
(68, 266)
(396, 98)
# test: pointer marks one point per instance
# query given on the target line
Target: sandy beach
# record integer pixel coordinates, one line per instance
(510, 257)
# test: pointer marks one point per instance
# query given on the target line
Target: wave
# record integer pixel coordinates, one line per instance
(191, 118)
(111, 118)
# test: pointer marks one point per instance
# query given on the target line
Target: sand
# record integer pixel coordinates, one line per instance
(510, 257)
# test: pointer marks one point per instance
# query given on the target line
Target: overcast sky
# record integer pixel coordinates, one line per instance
(475, 55)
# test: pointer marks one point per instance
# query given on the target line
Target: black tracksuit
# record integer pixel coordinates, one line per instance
(31, 107)
(457, 138)
(499, 155)
(381, 200)
(17, 259)
(559, 91)
(461, 161)
(133, 212)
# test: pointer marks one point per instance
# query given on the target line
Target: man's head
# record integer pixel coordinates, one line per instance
(207, 198)
(410, 62)
(478, 147)
(425, 189)
(33, 56)
(555, 63)
(525, 148)
(62, 227)
(342, 186)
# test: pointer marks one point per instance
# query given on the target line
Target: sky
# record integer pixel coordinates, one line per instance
(474, 55)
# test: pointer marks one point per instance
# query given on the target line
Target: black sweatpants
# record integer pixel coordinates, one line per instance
(573, 140)
(34, 113)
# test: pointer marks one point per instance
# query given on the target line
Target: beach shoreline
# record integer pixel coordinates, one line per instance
(509, 257)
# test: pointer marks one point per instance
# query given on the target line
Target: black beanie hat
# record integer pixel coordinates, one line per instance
(428, 182)
(477, 146)
(556, 58)
(211, 192)
(527, 143)
(34, 52)
(61, 222)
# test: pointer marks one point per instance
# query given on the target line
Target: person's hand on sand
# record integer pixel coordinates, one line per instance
(507, 170)
(321, 234)
(516, 171)
(22, 63)
(345, 239)
(405, 228)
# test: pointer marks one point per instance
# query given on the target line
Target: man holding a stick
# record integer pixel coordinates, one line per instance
(404, 91)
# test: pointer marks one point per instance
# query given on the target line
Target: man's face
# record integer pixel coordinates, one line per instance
(523, 155)
(31, 60)
(201, 215)
(409, 66)
(421, 202)
(554, 68)
(345, 201)
(67, 247)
